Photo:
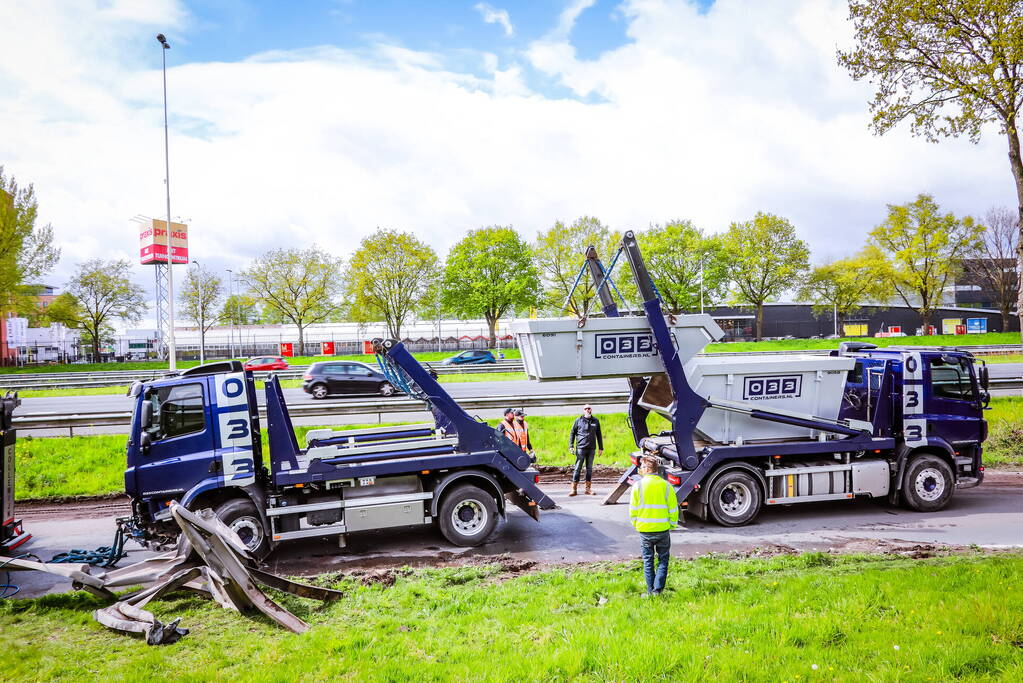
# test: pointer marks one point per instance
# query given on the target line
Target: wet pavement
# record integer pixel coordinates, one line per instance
(583, 530)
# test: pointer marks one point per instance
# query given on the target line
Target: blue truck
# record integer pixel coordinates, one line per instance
(910, 428)
(196, 438)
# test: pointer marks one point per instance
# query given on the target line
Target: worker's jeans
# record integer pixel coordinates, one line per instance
(656, 542)
(583, 456)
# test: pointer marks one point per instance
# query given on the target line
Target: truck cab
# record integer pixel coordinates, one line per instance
(197, 438)
(940, 394)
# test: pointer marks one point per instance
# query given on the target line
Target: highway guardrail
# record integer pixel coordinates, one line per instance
(369, 407)
(374, 407)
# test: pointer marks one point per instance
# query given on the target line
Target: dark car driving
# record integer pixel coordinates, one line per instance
(471, 357)
(344, 377)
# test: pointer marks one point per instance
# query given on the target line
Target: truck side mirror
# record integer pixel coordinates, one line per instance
(147, 415)
(145, 441)
(984, 377)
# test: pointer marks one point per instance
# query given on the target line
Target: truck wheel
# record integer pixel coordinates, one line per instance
(242, 517)
(928, 483)
(468, 514)
(734, 498)
(386, 389)
(319, 391)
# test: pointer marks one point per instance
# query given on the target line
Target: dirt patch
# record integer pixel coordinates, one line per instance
(601, 473)
(74, 508)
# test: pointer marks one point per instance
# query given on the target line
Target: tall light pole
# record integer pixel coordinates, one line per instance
(171, 349)
(701, 283)
(231, 306)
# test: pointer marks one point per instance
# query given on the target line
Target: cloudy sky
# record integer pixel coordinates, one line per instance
(317, 121)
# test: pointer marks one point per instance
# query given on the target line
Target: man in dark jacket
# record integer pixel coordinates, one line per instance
(584, 440)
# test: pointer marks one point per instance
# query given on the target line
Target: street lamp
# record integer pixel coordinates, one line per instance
(171, 349)
(702, 259)
(231, 306)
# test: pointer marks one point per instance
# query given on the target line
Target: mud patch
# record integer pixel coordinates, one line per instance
(601, 473)
(910, 549)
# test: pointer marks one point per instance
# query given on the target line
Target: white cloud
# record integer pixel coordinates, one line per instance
(704, 116)
(569, 15)
(492, 15)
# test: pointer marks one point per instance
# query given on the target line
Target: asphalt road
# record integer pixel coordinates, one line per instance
(583, 530)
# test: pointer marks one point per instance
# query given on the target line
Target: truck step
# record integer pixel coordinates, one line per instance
(357, 502)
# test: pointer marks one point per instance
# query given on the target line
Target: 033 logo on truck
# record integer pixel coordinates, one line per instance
(609, 346)
(233, 427)
(780, 386)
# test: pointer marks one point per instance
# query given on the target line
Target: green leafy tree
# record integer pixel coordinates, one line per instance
(766, 259)
(687, 265)
(299, 286)
(240, 309)
(951, 67)
(390, 277)
(840, 287)
(99, 292)
(559, 254)
(921, 251)
(200, 294)
(26, 250)
(488, 272)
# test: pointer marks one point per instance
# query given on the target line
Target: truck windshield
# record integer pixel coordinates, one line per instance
(950, 379)
(177, 410)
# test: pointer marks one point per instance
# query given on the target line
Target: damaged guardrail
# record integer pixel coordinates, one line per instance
(213, 562)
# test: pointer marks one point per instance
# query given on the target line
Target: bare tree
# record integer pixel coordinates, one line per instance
(995, 268)
(200, 295)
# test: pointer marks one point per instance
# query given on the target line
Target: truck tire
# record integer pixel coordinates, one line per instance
(468, 515)
(928, 483)
(734, 498)
(319, 391)
(386, 389)
(242, 517)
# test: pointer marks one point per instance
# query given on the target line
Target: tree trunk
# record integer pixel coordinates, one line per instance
(1016, 164)
(1005, 319)
(925, 315)
(301, 340)
(492, 324)
(760, 320)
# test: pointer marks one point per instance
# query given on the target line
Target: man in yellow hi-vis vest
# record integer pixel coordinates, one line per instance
(653, 510)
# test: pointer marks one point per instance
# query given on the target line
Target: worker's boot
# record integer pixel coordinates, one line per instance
(575, 489)
(589, 489)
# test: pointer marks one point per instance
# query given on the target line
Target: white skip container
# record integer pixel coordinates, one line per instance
(559, 349)
(804, 384)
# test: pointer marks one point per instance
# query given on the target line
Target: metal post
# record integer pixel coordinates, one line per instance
(171, 349)
(836, 318)
(230, 312)
(701, 284)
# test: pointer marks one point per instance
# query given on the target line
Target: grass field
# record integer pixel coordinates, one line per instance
(428, 356)
(810, 617)
(1007, 358)
(94, 465)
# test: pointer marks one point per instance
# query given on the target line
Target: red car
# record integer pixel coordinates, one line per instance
(266, 363)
